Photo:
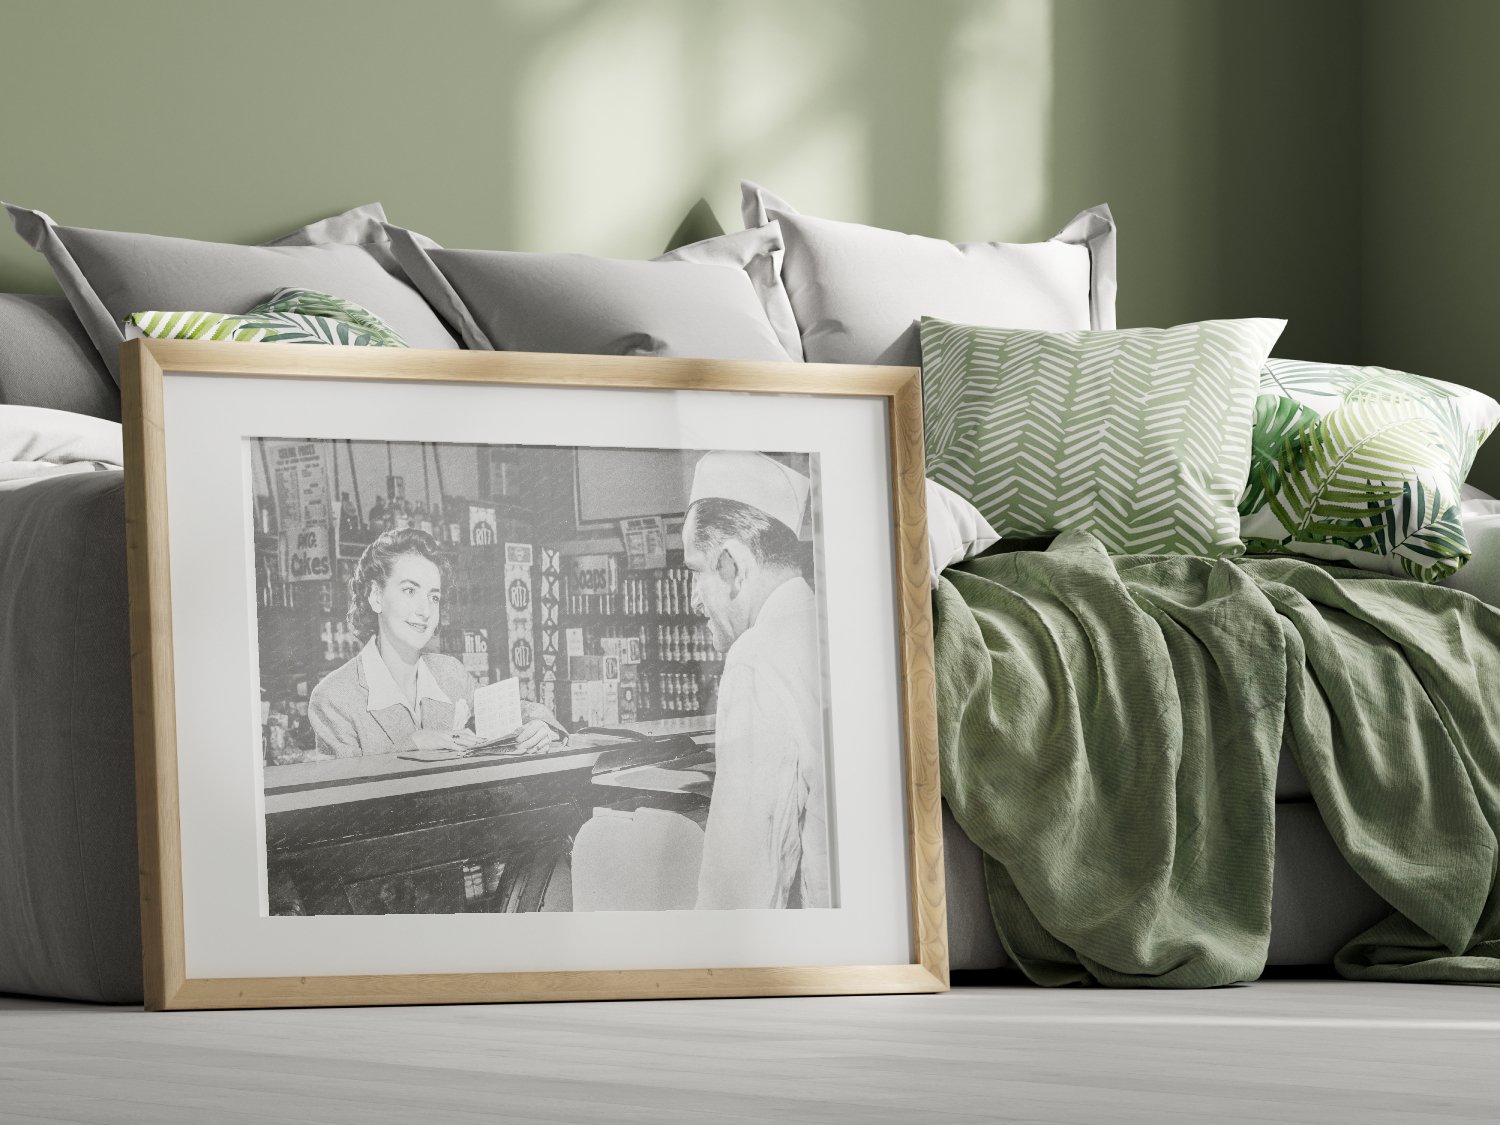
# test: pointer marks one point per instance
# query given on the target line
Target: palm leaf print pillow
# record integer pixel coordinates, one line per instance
(1362, 465)
(288, 316)
(309, 302)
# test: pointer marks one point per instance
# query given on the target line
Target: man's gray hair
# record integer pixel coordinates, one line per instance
(771, 542)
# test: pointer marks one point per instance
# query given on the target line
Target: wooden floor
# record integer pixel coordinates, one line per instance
(1279, 1051)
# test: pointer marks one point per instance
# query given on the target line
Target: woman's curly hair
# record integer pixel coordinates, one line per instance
(375, 568)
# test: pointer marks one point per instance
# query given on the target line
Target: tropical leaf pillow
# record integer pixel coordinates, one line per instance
(1362, 465)
(288, 316)
(309, 302)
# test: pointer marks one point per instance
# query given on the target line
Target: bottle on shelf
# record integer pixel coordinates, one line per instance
(684, 591)
(451, 523)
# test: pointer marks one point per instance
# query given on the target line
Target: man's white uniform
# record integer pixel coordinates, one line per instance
(766, 842)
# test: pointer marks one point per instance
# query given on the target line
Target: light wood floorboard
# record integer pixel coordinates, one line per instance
(1277, 1051)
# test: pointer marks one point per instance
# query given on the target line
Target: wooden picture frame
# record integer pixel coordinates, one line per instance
(158, 374)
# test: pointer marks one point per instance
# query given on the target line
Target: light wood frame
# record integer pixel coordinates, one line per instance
(144, 363)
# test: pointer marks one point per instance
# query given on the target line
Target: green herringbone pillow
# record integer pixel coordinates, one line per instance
(1141, 436)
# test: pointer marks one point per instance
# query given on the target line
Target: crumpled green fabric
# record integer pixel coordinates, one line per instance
(1110, 728)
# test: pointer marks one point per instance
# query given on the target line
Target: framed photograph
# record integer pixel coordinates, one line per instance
(413, 726)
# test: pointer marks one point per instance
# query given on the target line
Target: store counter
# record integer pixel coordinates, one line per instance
(384, 834)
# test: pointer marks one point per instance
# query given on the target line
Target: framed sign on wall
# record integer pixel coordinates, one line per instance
(433, 766)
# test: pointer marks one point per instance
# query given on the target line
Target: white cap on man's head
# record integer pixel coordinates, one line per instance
(753, 479)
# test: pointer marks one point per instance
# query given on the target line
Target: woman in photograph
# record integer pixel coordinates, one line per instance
(394, 696)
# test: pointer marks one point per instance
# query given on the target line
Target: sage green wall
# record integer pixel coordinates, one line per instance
(1430, 180)
(1330, 162)
(1222, 135)
(1214, 129)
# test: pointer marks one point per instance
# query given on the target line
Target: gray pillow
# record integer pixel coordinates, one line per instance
(858, 291)
(720, 298)
(107, 275)
(47, 360)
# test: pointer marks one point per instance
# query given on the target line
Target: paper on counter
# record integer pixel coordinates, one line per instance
(497, 709)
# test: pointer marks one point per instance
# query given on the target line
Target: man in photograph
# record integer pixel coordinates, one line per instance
(766, 840)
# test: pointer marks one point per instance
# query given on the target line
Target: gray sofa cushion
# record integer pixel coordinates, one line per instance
(720, 299)
(1318, 903)
(107, 275)
(69, 907)
(47, 359)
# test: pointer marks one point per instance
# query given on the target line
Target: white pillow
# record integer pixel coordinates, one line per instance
(58, 437)
(1480, 576)
(858, 291)
(759, 253)
(955, 529)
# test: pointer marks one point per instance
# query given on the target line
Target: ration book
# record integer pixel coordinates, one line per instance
(497, 709)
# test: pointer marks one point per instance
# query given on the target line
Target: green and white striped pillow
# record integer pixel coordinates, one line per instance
(1141, 436)
(1363, 465)
(289, 316)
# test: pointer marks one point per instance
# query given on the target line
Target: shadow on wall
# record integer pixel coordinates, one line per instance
(1257, 155)
(1219, 131)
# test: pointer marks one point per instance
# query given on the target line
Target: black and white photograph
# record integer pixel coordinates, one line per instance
(525, 676)
(515, 678)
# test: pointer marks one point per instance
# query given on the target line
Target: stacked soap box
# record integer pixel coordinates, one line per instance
(592, 695)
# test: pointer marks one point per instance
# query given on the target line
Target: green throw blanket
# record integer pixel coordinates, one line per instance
(1110, 730)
